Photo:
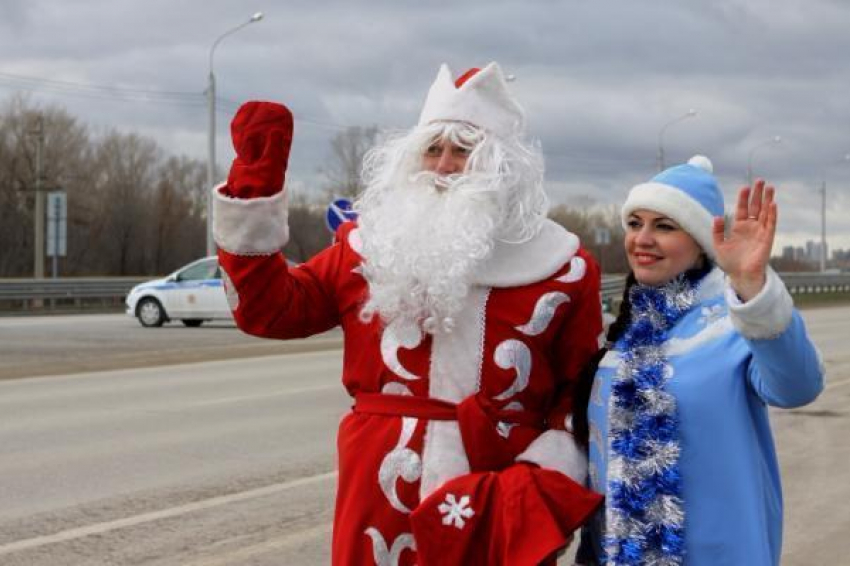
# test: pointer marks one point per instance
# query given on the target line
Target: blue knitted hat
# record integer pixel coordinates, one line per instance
(687, 194)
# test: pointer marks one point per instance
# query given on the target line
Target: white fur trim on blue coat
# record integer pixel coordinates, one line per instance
(766, 315)
(256, 226)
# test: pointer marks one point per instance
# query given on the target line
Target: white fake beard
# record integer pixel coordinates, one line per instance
(422, 245)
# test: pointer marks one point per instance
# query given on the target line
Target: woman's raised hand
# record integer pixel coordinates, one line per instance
(743, 254)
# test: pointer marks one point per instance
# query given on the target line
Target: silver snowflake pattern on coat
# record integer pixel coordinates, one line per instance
(596, 392)
(711, 314)
(578, 267)
(544, 312)
(455, 512)
(503, 428)
(593, 475)
(513, 354)
(399, 335)
(401, 462)
(596, 437)
(385, 556)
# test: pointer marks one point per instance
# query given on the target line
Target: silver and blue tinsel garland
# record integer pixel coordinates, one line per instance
(645, 521)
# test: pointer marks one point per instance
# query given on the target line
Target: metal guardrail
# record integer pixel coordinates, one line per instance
(16, 294)
(612, 288)
(796, 283)
(26, 294)
(67, 288)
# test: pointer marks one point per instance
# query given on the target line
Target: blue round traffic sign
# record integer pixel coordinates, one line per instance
(339, 211)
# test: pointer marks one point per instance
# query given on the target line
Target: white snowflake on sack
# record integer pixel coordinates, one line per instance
(455, 512)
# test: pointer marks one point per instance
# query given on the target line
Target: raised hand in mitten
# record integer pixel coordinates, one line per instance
(262, 137)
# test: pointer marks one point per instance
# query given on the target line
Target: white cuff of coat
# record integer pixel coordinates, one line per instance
(766, 315)
(255, 226)
(557, 450)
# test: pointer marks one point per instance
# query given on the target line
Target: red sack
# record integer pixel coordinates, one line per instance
(520, 516)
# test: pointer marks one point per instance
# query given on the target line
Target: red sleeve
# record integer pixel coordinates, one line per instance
(577, 340)
(273, 300)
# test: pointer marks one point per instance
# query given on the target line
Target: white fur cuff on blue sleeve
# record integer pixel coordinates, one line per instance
(766, 315)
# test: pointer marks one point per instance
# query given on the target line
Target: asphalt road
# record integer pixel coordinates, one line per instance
(231, 462)
(58, 345)
(228, 462)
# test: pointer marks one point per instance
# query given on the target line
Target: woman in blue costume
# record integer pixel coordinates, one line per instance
(677, 415)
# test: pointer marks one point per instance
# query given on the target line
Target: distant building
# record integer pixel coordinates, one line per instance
(813, 251)
(807, 258)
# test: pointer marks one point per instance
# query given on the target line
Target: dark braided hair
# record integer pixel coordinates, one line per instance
(584, 384)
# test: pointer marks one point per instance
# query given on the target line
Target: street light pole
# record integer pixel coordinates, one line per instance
(774, 139)
(38, 236)
(690, 113)
(823, 251)
(211, 128)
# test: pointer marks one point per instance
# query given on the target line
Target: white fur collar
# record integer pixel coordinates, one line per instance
(512, 265)
(712, 285)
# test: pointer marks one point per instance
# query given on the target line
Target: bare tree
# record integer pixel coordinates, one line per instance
(131, 210)
(584, 223)
(347, 151)
(64, 145)
(308, 234)
(126, 171)
(176, 223)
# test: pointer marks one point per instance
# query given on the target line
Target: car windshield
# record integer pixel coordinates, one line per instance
(203, 270)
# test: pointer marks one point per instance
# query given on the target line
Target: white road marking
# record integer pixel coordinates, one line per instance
(100, 528)
(283, 393)
(241, 555)
(836, 384)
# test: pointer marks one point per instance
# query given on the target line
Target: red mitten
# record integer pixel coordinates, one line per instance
(262, 136)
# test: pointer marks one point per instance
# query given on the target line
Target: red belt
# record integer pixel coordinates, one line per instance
(436, 409)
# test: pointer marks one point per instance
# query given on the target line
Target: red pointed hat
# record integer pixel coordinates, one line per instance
(479, 97)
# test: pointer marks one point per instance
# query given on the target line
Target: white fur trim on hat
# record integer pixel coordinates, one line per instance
(256, 226)
(676, 205)
(483, 100)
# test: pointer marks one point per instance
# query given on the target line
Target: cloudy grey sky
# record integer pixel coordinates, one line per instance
(599, 80)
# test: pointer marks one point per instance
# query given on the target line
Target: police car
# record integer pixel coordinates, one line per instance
(192, 294)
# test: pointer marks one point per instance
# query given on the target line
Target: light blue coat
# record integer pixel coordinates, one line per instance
(730, 360)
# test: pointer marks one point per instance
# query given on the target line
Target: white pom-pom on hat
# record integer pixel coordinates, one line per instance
(702, 162)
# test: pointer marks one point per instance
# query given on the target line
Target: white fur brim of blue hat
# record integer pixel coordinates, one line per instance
(687, 194)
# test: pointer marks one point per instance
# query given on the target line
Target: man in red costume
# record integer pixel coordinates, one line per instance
(467, 314)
